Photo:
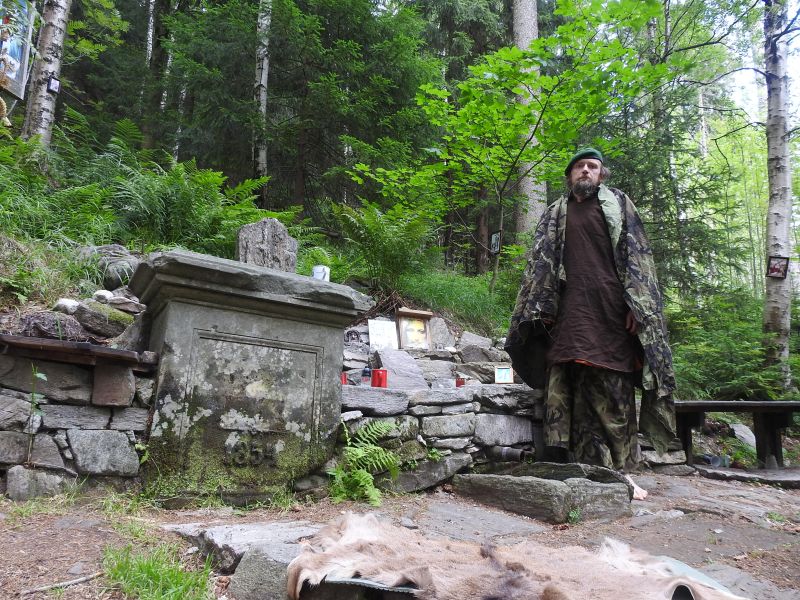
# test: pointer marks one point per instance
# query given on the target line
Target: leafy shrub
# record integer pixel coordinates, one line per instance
(388, 244)
(362, 457)
(717, 349)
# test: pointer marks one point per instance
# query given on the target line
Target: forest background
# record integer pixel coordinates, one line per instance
(394, 137)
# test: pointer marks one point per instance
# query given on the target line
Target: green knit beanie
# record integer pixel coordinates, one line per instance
(583, 153)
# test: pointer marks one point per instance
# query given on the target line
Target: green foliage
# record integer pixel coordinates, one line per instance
(574, 516)
(434, 455)
(155, 574)
(718, 349)
(388, 243)
(465, 300)
(362, 457)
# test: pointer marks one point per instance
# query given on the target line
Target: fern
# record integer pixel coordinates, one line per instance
(362, 457)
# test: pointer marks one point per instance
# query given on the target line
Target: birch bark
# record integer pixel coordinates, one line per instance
(777, 303)
(40, 110)
(262, 76)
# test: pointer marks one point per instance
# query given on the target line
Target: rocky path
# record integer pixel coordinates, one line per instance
(745, 535)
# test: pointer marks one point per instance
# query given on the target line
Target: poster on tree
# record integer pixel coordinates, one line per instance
(16, 26)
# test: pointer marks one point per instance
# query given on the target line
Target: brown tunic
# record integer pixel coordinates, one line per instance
(590, 326)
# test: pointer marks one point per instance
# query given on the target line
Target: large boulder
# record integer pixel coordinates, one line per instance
(402, 370)
(267, 243)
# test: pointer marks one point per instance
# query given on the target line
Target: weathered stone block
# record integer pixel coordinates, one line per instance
(70, 384)
(441, 336)
(472, 353)
(427, 474)
(114, 385)
(502, 430)
(514, 398)
(452, 443)
(457, 409)
(267, 243)
(14, 413)
(449, 426)
(543, 499)
(441, 397)
(437, 371)
(471, 339)
(599, 500)
(402, 370)
(422, 410)
(102, 319)
(374, 401)
(249, 395)
(145, 390)
(59, 416)
(43, 452)
(130, 419)
(676, 457)
(25, 484)
(103, 453)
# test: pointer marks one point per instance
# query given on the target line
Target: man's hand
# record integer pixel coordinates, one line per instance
(630, 324)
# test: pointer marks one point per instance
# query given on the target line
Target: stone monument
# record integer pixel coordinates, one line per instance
(248, 393)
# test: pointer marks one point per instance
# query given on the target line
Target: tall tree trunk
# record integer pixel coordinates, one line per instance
(159, 58)
(41, 107)
(262, 76)
(482, 237)
(534, 195)
(777, 304)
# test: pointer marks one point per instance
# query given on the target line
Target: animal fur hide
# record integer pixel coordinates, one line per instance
(361, 546)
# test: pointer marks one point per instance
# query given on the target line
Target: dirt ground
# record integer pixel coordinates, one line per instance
(753, 528)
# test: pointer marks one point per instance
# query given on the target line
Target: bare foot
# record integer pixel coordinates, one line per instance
(638, 493)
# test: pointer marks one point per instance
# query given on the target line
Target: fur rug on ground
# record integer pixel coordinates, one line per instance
(361, 546)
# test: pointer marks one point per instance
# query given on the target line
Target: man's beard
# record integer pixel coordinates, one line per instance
(584, 188)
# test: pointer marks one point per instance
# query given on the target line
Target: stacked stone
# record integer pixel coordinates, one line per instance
(459, 423)
(69, 421)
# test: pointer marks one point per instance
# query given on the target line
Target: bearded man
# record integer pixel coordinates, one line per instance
(589, 326)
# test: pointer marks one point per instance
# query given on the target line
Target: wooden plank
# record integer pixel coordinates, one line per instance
(685, 406)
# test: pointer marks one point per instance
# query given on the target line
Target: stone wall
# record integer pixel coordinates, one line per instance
(70, 411)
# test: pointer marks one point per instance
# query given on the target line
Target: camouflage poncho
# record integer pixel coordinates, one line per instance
(539, 297)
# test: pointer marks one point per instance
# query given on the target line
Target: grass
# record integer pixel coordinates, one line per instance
(465, 300)
(155, 574)
(53, 505)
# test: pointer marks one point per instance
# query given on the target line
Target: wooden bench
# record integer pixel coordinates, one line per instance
(769, 419)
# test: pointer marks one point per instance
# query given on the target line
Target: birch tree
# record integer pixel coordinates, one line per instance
(534, 195)
(262, 75)
(777, 303)
(40, 111)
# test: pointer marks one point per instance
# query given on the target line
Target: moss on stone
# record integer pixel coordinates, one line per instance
(110, 313)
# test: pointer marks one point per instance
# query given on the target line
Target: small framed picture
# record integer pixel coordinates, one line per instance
(494, 243)
(413, 332)
(503, 375)
(778, 267)
(382, 334)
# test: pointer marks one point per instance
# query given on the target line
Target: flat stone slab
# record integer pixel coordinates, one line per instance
(25, 484)
(547, 499)
(228, 543)
(515, 398)
(402, 370)
(471, 339)
(380, 402)
(442, 397)
(786, 478)
(457, 521)
(65, 383)
(449, 425)
(60, 416)
(428, 474)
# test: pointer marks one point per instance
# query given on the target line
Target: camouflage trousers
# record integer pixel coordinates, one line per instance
(591, 412)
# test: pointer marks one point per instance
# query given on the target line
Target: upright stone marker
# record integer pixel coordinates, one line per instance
(267, 243)
(248, 392)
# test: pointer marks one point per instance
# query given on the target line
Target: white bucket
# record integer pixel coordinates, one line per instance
(321, 272)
